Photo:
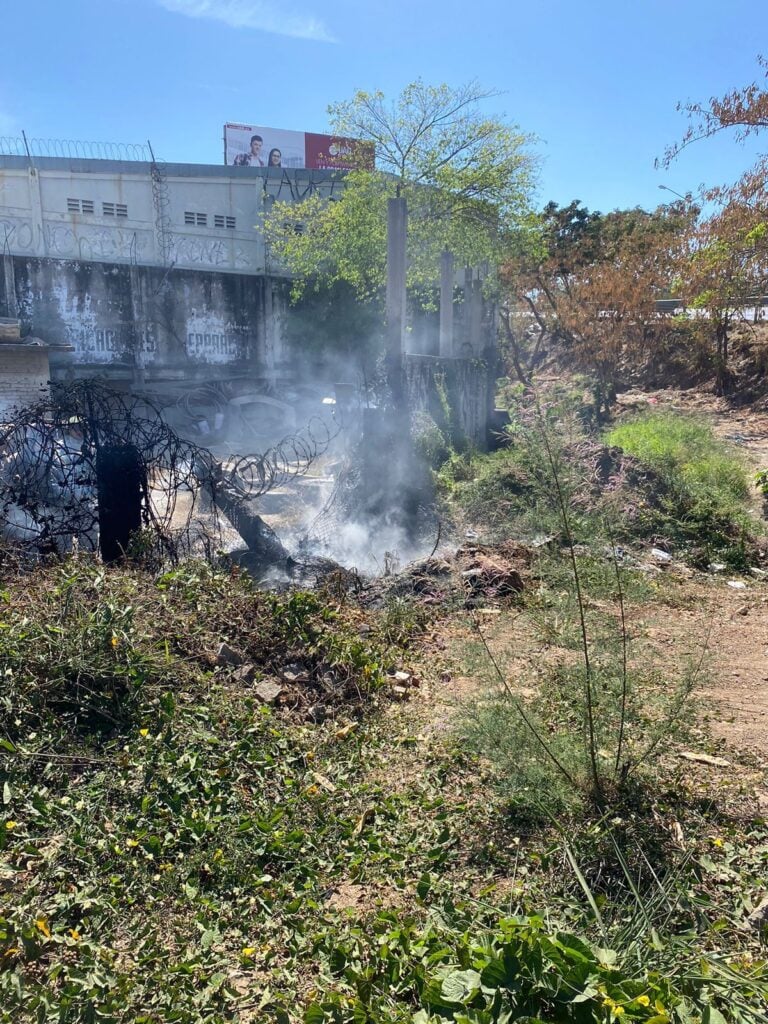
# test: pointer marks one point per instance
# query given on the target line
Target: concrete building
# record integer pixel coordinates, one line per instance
(24, 368)
(147, 271)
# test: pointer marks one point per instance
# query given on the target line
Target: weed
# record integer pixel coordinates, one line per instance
(593, 724)
(702, 500)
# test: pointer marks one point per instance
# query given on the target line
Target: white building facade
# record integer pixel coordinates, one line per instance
(140, 265)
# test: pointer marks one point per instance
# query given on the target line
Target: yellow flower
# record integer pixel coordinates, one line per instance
(75, 934)
(613, 1006)
(643, 1000)
(717, 842)
(311, 790)
(249, 950)
(143, 732)
(43, 927)
(11, 825)
(131, 843)
(115, 641)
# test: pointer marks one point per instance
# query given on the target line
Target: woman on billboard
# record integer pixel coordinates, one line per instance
(275, 158)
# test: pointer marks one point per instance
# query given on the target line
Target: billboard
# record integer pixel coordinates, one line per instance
(248, 145)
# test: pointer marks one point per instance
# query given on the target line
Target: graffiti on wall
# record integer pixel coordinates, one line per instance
(211, 339)
(16, 233)
(209, 251)
(108, 344)
(97, 243)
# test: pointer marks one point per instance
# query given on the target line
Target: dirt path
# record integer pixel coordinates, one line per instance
(729, 628)
(736, 694)
(698, 618)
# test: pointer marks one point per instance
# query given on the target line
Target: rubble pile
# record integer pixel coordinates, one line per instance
(470, 576)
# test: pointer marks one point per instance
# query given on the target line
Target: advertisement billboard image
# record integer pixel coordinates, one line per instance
(248, 145)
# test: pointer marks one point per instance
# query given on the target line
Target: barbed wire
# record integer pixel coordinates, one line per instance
(48, 467)
(23, 145)
(49, 471)
(254, 475)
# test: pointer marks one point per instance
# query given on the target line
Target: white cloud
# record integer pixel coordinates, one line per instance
(255, 14)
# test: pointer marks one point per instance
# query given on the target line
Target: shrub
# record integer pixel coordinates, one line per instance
(82, 644)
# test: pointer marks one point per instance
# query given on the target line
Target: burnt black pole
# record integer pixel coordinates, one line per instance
(120, 485)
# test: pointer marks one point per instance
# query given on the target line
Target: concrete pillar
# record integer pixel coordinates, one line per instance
(9, 278)
(269, 325)
(446, 305)
(397, 233)
(39, 242)
(474, 300)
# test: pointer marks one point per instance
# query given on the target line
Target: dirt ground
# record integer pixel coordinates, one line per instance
(728, 631)
(733, 623)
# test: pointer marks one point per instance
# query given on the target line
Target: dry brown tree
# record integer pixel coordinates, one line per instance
(586, 292)
(725, 269)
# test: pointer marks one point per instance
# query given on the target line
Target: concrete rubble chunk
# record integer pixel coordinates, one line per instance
(663, 557)
(737, 585)
(759, 574)
(244, 674)
(759, 917)
(294, 674)
(228, 656)
(542, 540)
(716, 762)
(402, 678)
(268, 691)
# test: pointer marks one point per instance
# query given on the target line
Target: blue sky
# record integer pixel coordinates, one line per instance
(596, 82)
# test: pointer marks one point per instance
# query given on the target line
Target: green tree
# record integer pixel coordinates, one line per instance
(467, 178)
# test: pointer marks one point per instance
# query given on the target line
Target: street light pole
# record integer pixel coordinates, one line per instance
(686, 198)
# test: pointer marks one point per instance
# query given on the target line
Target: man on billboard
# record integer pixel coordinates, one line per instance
(253, 158)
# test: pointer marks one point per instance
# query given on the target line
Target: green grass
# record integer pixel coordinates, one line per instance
(685, 451)
(703, 497)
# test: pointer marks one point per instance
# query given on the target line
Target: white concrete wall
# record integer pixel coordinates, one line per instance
(57, 209)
